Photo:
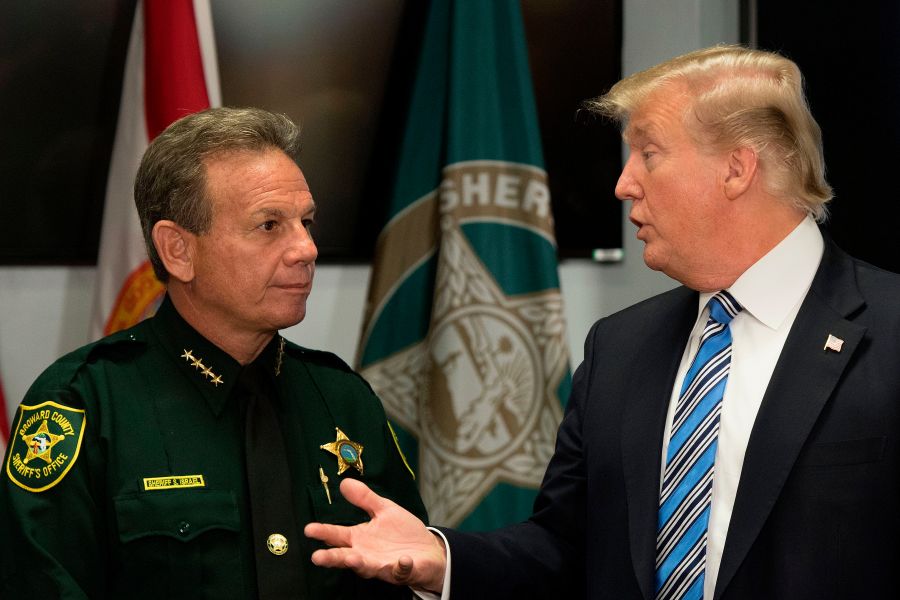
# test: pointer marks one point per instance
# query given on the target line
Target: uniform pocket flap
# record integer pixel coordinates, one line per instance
(182, 514)
(338, 511)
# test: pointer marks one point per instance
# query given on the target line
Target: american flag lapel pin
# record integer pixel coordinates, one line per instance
(833, 343)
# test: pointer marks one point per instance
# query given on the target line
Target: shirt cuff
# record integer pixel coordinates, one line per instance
(445, 593)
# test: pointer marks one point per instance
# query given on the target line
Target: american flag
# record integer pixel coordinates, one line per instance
(833, 343)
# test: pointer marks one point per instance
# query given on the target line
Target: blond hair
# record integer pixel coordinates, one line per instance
(741, 98)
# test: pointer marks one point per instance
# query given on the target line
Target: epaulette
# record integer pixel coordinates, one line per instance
(319, 357)
(112, 347)
(325, 359)
(117, 345)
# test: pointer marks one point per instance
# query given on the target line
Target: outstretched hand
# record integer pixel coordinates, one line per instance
(394, 546)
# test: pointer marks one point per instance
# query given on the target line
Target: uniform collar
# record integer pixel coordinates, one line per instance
(209, 368)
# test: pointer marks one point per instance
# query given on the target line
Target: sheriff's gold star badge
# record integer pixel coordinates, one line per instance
(348, 452)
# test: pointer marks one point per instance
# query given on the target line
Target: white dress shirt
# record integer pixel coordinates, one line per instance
(771, 292)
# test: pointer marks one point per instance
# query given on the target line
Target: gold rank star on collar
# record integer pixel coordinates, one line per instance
(348, 452)
(197, 363)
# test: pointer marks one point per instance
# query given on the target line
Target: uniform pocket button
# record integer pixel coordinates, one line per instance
(184, 528)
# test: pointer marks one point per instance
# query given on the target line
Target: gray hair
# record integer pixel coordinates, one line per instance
(741, 98)
(171, 180)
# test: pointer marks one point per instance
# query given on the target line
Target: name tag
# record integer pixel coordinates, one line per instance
(173, 482)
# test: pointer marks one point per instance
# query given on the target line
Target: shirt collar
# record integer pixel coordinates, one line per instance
(210, 369)
(776, 283)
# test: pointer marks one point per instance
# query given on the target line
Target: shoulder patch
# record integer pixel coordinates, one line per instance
(44, 445)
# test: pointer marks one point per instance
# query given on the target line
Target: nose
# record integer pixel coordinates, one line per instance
(302, 248)
(628, 187)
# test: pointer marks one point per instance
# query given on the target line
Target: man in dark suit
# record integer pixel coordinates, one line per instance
(732, 438)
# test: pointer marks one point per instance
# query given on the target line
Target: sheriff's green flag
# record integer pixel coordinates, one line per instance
(464, 338)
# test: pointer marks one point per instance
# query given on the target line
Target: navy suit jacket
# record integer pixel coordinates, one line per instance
(818, 503)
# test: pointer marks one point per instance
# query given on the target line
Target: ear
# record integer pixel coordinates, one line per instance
(174, 244)
(742, 166)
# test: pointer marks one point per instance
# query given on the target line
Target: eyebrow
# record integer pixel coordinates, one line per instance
(268, 212)
(645, 131)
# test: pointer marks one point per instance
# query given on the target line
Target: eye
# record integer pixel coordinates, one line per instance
(269, 225)
(308, 223)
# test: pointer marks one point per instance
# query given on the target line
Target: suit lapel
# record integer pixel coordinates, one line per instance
(802, 382)
(643, 421)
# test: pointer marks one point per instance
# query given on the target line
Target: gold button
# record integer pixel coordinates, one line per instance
(277, 544)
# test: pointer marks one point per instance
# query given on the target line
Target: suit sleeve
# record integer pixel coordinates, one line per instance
(544, 556)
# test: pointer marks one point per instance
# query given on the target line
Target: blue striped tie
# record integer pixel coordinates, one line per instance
(686, 494)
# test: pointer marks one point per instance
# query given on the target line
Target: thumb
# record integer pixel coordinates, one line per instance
(402, 571)
(358, 494)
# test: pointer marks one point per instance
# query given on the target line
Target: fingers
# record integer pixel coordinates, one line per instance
(332, 535)
(358, 494)
(343, 558)
(400, 573)
(333, 558)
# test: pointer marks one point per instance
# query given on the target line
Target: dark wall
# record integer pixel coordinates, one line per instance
(60, 79)
(575, 51)
(327, 65)
(849, 53)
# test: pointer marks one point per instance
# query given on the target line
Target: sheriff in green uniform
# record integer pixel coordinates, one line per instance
(182, 457)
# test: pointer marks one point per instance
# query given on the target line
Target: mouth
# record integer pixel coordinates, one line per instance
(295, 287)
(638, 224)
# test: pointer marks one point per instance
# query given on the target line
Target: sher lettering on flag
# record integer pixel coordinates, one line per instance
(463, 337)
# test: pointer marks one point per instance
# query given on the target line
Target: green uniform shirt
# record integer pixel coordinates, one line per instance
(143, 494)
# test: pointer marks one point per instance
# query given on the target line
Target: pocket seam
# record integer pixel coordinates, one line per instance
(843, 453)
(204, 510)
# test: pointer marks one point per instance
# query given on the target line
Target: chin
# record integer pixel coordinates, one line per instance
(658, 255)
(653, 261)
(287, 319)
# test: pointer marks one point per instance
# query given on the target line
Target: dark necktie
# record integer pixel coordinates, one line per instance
(276, 542)
(686, 494)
